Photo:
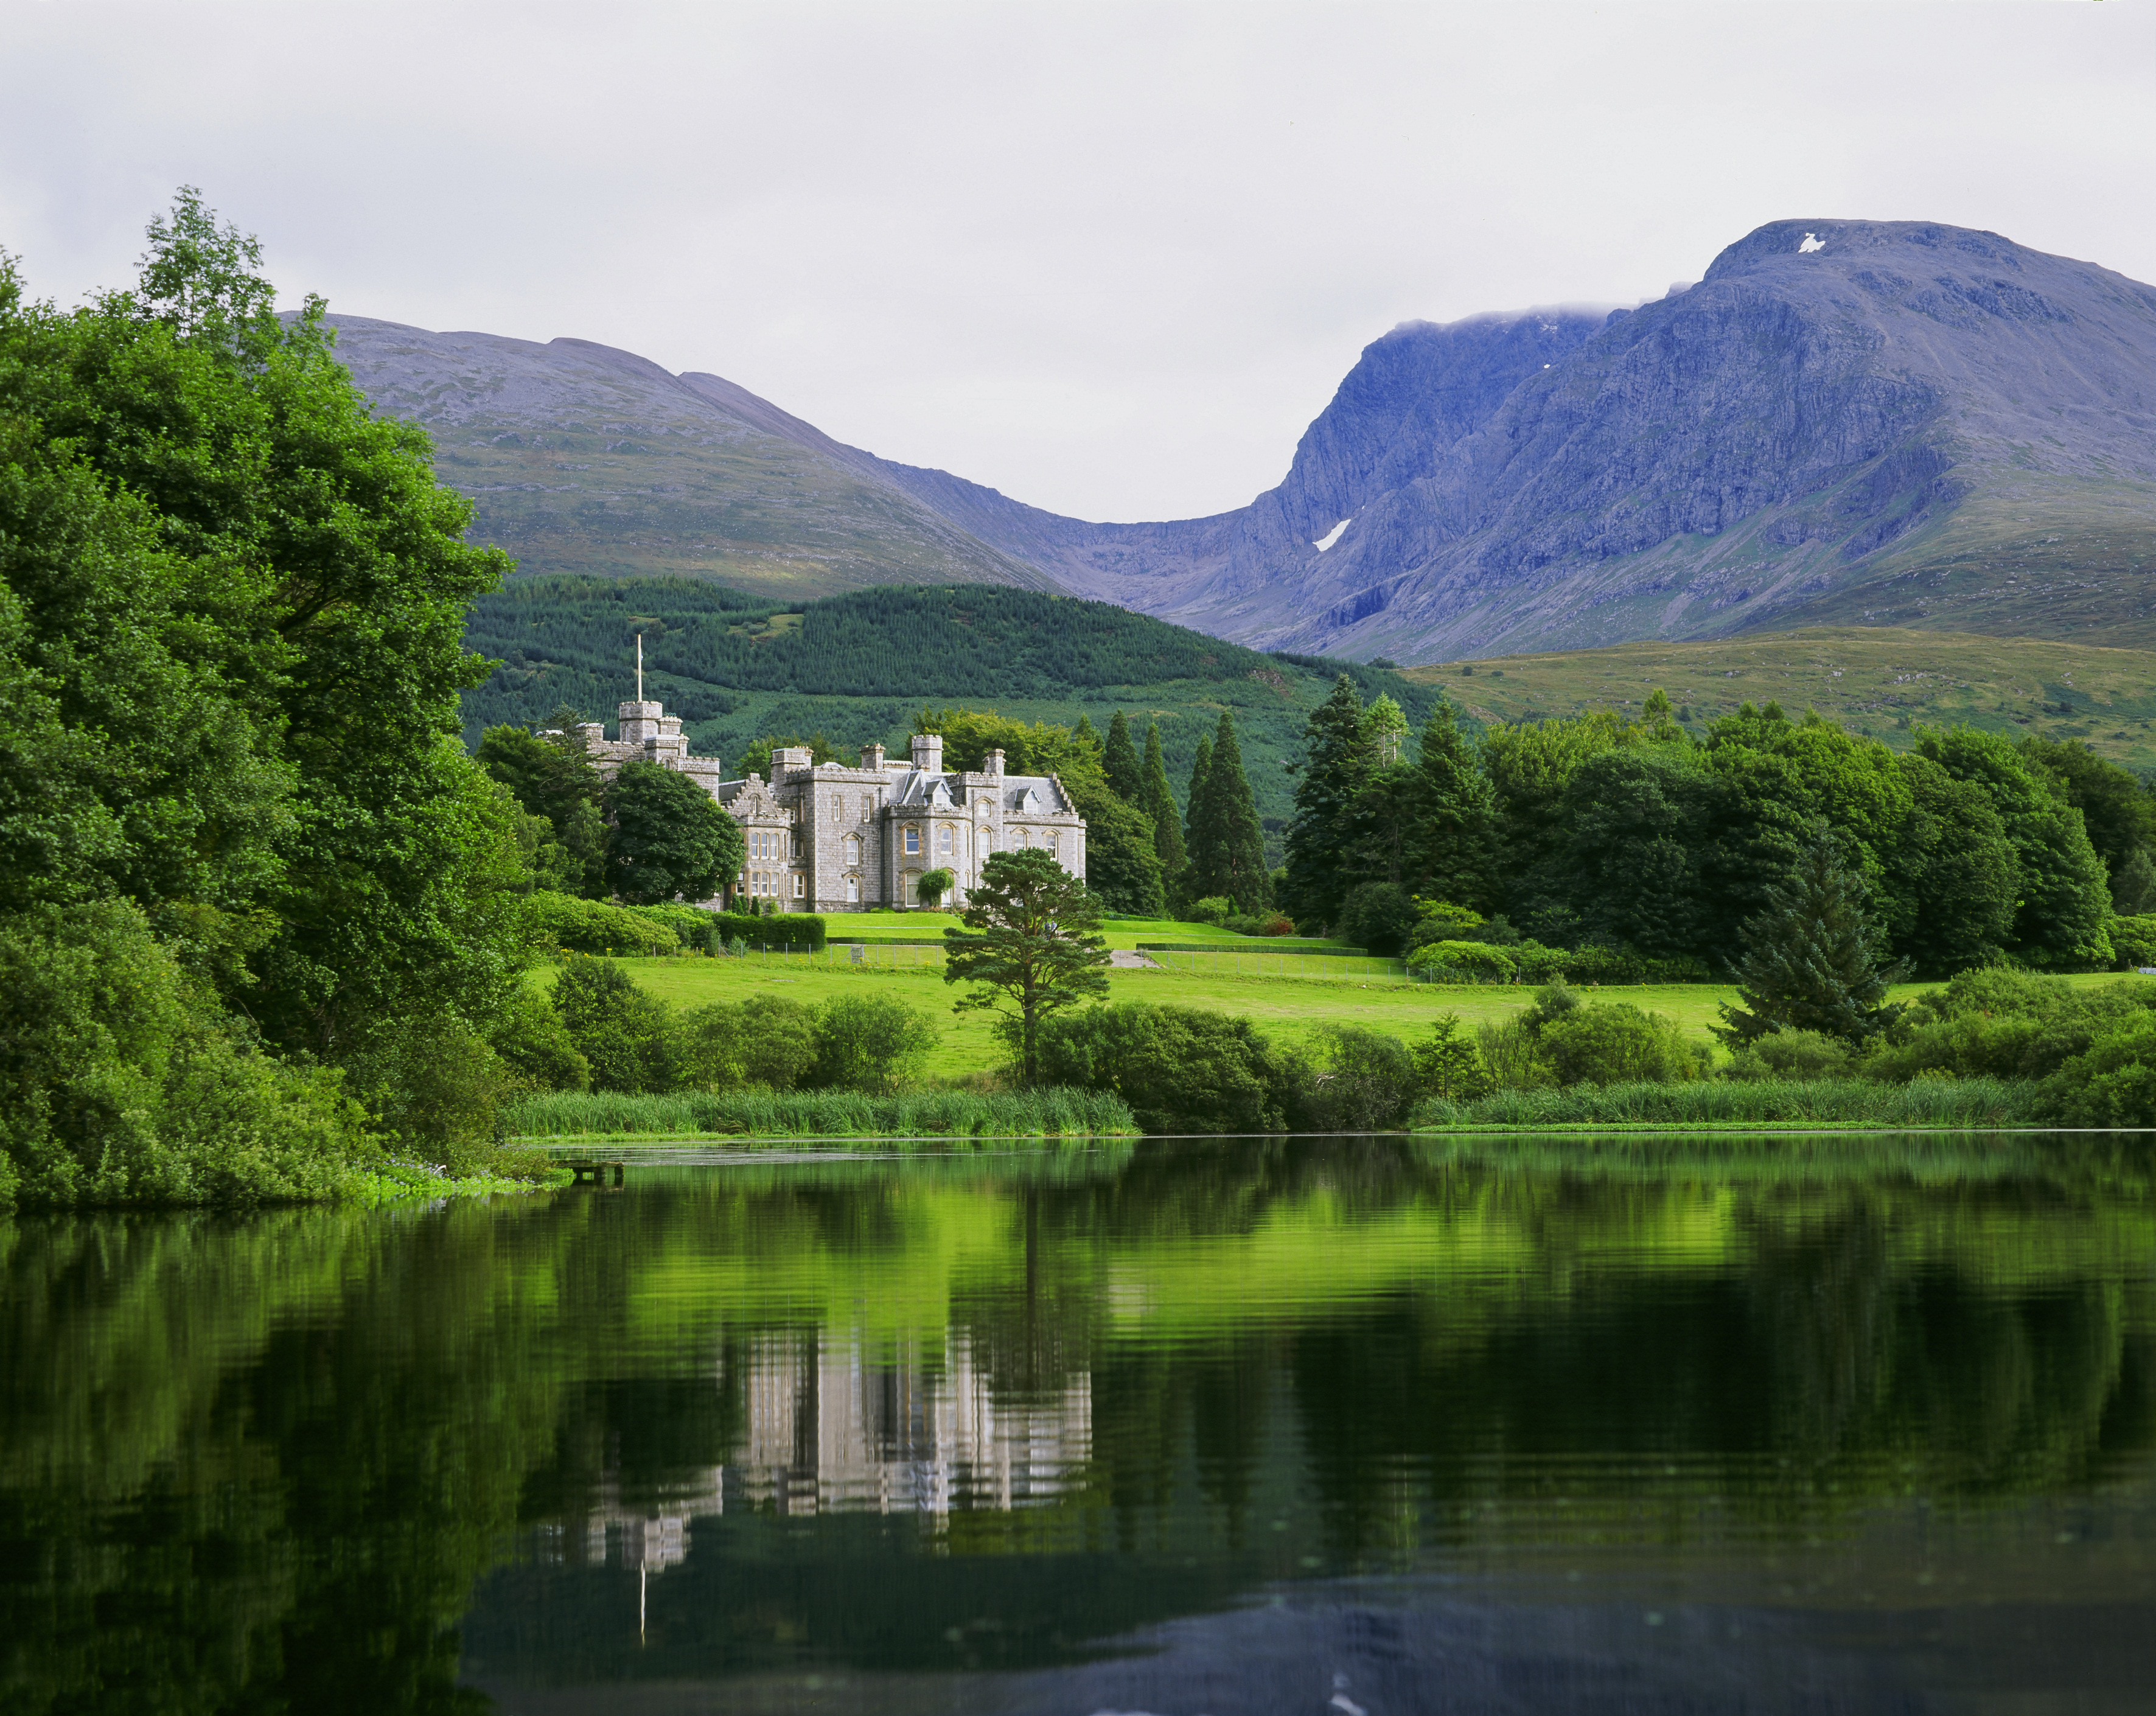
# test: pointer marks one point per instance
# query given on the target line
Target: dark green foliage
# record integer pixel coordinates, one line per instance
(929, 891)
(800, 930)
(1119, 762)
(1181, 1069)
(771, 1043)
(1123, 857)
(552, 778)
(1448, 1064)
(1808, 959)
(1227, 847)
(623, 1033)
(1641, 821)
(1028, 947)
(1201, 769)
(1158, 802)
(1614, 1042)
(1362, 1080)
(231, 602)
(2113, 1083)
(2000, 1023)
(2117, 808)
(871, 1043)
(2063, 891)
(1956, 873)
(536, 1047)
(1336, 766)
(1379, 916)
(120, 1083)
(2134, 940)
(1790, 1055)
(668, 839)
(2133, 886)
(1456, 814)
(556, 923)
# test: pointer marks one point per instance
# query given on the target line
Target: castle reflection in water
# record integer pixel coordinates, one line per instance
(832, 1427)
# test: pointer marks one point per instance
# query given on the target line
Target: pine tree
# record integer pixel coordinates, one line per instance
(1227, 846)
(1201, 769)
(1119, 760)
(1336, 766)
(1456, 816)
(1808, 961)
(1159, 804)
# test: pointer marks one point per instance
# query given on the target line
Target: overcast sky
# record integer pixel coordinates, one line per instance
(1109, 259)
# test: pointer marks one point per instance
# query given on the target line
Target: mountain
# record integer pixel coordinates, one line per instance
(1843, 421)
(583, 459)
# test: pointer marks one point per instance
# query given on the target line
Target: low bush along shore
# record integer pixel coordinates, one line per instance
(1727, 1102)
(1042, 1113)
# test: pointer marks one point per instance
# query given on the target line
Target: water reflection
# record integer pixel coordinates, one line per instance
(1205, 1422)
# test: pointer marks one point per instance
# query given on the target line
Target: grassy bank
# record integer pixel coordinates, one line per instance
(566, 1114)
(1715, 1103)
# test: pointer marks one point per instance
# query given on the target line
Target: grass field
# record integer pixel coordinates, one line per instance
(1292, 1008)
(1118, 932)
(1873, 680)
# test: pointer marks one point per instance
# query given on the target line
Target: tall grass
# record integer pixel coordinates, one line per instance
(784, 1114)
(1822, 1102)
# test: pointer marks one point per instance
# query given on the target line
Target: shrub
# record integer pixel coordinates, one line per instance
(537, 1048)
(873, 1043)
(791, 931)
(563, 922)
(770, 1041)
(2000, 1023)
(1790, 1055)
(1214, 909)
(1441, 921)
(2113, 1083)
(435, 1087)
(1506, 1050)
(121, 1083)
(1379, 916)
(623, 1033)
(1612, 1042)
(1364, 1081)
(1269, 923)
(1463, 962)
(1181, 1069)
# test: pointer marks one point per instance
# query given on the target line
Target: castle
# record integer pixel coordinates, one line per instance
(825, 837)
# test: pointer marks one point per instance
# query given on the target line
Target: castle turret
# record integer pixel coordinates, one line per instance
(872, 757)
(639, 721)
(928, 752)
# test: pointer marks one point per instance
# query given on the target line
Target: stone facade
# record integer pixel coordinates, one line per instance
(827, 837)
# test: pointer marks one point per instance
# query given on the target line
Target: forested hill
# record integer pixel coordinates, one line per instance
(858, 667)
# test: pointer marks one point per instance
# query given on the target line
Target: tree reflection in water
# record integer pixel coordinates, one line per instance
(986, 1412)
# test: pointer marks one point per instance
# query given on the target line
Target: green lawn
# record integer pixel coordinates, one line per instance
(1292, 1008)
(1119, 933)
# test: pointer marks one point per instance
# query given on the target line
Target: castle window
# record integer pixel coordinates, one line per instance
(912, 842)
(800, 886)
(943, 841)
(1051, 843)
(853, 849)
(853, 890)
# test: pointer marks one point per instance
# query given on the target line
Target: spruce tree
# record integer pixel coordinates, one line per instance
(1336, 766)
(1227, 846)
(1159, 804)
(1119, 760)
(1455, 815)
(1808, 959)
(1201, 769)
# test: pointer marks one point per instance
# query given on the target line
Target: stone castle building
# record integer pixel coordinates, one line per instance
(828, 837)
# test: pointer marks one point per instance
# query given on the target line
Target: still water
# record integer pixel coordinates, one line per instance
(1300, 1425)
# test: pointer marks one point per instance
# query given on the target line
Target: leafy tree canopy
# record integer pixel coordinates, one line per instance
(670, 840)
(1028, 948)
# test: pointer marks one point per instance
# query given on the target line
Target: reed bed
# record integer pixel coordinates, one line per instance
(792, 1114)
(1718, 1102)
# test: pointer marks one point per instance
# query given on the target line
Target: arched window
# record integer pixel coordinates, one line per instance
(913, 840)
(853, 890)
(1051, 843)
(943, 841)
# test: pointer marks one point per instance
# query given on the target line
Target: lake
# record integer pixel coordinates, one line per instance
(1191, 1427)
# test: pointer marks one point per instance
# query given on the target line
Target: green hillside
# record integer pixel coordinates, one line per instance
(1873, 680)
(858, 667)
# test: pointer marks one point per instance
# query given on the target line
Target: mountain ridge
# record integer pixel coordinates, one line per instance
(1841, 422)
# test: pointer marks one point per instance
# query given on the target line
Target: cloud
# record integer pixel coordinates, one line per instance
(1109, 259)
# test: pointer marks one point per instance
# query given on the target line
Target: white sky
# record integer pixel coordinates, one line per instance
(1109, 259)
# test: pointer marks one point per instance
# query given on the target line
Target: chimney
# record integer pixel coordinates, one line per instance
(992, 763)
(872, 757)
(928, 752)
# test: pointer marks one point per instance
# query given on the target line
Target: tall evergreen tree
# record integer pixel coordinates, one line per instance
(1201, 769)
(1159, 804)
(1808, 959)
(1336, 766)
(1227, 846)
(1119, 760)
(1455, 815)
